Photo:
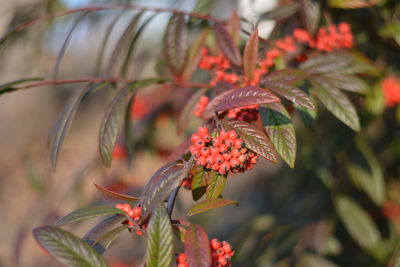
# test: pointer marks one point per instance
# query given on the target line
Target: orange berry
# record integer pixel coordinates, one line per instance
(229, 142)
(137, 210)
(200, 143)
(219, 159)
(202, 161)
(242, 158)
(126, 207)
(227, 155)
(138, 232)
(222, 260)
(232, 135)
(216, 141)
(214, 150)
(236, 153)
(223, 148)
(215, 167)
(215, 244)
(234, 162)
(195, 137)
(239, 143)
(223, 134)
(205, 151)
(207, 138)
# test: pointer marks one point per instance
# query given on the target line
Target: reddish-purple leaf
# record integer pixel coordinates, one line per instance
(254, 138)
(227, 45)
(245, 96)
(285, 76)
(310, 11)
(291, 93)
(175, 43)
(187, 112)
(210, 204)
(194, 55)
(209, 111)
(160, 187)
(216, 185)
(250, 55)
(197, 247)
(233, 26)
(116, 195)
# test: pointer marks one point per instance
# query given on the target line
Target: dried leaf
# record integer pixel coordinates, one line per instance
(116, 195)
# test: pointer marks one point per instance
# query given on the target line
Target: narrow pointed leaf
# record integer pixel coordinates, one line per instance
(245, 96)
(11, 86)
(188, 109)
(357, 222)
(280, 130)
(199, 182)
(311, 11)
(87, 213)
(202, 7)
(250, 55)
(60, 129)
(281, 12)
(68, 248)
(328, 63)
(349, 83)
(338, 104)
(194, 55)
(197, 247)
(159, 242)
(227, 45)
(175, 43)
(216, 185)
(116, 195)
(350, 4)
(158, 191)
(110, 125)
(285, 76)
(210, 204)
(254, 138)
(103, 234)
(292, 93)
(210, 109)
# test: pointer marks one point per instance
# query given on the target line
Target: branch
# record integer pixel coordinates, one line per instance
(114, 7)
(171, 200)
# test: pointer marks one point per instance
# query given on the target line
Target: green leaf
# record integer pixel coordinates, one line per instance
(365, 172)
(188, 109)
(338, 104)
(194, 55)
(202, 7)
(254, 138)
(10, 86)
(351, 4)
(227, 44)
(250, 55)
(116, 195)
(87, 213)
(280, 130)
(103, 234)
(311, 11)
(199, 182)
(110, 125)
(357, 222)
(210, 204)
(216, 185)
(328, 63)
(63, 124)
(68, 248)
(175, 43)
(309, 260)
(160, 245)
(349, 83)
(291, 93)
(281, 12)
(285, 76)
(197, 247)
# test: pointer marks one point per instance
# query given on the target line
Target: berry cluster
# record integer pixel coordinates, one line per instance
(222, 153)
(134, 214)
(334, 37)
(247, 113)
(221, 254)
(201, 106)
(391, 90)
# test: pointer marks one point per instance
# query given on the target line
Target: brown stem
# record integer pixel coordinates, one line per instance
(115, 7)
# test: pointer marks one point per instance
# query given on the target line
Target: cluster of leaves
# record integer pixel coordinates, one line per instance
(328, 79)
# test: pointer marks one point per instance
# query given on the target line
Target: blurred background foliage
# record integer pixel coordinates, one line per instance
(339, 206)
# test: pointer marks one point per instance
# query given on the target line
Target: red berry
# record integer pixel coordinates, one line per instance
(207, 138)
(220, 251)
(205, 151)
(225, 167)
(239, 143)
(242, 158)
(223, 148)
(219, 159)
(200, 143)
(222, 260)
(243, 150)
(202, 161)
(138, 232)
(182, 257)
(131, 213)
(126, 207)
(227, 155)
(236, 153)
(216, 141)
(210, 160)
(193, 148)
(195, 137)
(215, 167)
(214, 151)
(215, 244)
(232, 135)
(119, 206)
(254, 159)
(229, 142)
(223, 134)
(202, 131)
(196, 153)
(234, 162)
